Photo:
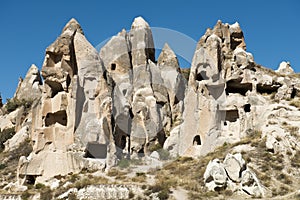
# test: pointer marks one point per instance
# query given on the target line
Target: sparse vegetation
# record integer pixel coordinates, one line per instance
(186, 73)
(124, 163)
(154, 147)
(46, 193)
(5, 135)
(13, 104)
(295, 160)
(140, 177)
(164, 154)
(295, 102)
(39, 186)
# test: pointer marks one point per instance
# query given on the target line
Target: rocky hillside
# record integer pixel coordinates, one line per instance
(121, 124)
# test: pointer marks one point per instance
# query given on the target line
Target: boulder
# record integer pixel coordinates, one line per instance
(155, 155)
(251, 185)
(215, 177)
(232, 174)
(234, 165)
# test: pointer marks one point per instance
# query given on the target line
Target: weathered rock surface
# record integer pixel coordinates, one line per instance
(232, 174)
(285, 68)
(21, 136)
(224, 98)
(96, 108)
(76, 98)
(30, 88)
(215, 175)
(142, 110)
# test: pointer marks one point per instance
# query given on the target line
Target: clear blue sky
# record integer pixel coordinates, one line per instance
(271, 28)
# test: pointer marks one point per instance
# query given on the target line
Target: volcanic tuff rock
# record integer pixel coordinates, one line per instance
(93, 109)
(30, 88)
(234, 175)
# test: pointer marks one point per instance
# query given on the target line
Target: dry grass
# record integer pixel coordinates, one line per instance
(139, 178)
(188, 172)
(79, 182)
(295, 102)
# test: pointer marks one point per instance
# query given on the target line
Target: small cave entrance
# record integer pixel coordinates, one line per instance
(30, 179)
(294, 93)
(267, 89)
(231, 115)
(235, 86)
(55, 87)
(197, 140)
(123, 142)
(236, 39)
(113, 66)
(59, 117)
(199, 77)
(247, 107)
(95, 150)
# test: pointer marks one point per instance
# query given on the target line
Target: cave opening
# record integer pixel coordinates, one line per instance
(197, 140)
(235, 86)
(95, 150)
(232, 115)
(294, 93)
(57, 117)
(247, 107)
(30, 179)
(55, 87)
(267, 89)
(199, 77)
(113, 66)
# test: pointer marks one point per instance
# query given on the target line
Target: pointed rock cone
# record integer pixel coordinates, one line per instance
(167, 57)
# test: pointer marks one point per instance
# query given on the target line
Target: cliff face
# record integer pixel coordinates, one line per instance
(95, 108)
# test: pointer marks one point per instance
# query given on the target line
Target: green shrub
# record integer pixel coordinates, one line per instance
(25, 195)
(13, 104)
(164, 154)
(46, 194)
(39, 186)
(83, 183)
(164, 194)
(2, 166)
(154, 147)
(5, 135)
(124, 163)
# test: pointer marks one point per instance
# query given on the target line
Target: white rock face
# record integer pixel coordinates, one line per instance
(215, 175)
(234, 165)
(30, 88)
(146, 96)
(285, 68)
(21, 136)
(95, 108)
(76, 97)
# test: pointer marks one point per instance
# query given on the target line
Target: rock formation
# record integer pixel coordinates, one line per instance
(223, 97)
(232, 174)
(93, 109)
(30, 88)
(142, 111)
